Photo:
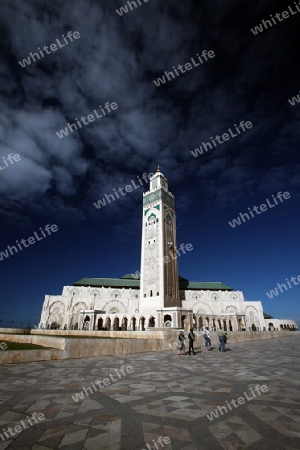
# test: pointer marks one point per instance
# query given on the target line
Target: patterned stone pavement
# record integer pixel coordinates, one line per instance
(164, 395)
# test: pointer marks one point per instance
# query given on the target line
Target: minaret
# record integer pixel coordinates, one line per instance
(159, 270)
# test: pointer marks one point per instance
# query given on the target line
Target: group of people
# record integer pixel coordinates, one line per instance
(206, 335)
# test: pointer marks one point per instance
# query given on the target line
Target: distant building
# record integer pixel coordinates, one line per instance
(157, 297)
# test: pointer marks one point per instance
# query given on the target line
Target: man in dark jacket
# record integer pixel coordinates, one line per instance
(191, 337)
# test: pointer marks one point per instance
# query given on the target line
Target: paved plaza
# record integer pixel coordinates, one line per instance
(148, 396)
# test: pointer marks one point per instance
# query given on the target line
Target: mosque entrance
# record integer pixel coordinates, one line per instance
(124, 324)
(116, 324)
(167, 320)
(142, 323)
(151, 323)
(100, 323)
(86, 323)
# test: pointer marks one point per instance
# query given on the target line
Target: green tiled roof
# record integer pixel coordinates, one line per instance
(131, 276)
(129, 281)
(108, 282)
(208, 285)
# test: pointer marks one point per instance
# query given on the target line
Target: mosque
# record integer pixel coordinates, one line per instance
(157, 297)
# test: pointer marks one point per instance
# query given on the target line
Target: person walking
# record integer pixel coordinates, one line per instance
(222, 340)
(206, 335)
(191, 338)
(180, 344)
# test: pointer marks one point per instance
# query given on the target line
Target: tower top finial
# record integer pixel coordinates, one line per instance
(158, 168)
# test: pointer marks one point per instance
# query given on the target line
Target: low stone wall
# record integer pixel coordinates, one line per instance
(19, 356)
(44, 341)
(149, 333)
(84, 344)
(73, 347)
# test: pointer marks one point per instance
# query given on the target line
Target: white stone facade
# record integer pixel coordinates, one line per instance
(119, 308)
(157, 300)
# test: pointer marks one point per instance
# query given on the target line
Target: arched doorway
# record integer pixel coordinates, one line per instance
(142, 323)
(116, 324)
(107, 324)
(213, 325)
(86, 323)
(240, 325)
(167, 320)
(200, 323)
(184, 322)
(151, 323)
(253, 327)
(100, 323)
(133, 324)
(194, 322)
(124, 323)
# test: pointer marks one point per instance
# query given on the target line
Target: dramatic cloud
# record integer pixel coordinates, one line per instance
(116, 60)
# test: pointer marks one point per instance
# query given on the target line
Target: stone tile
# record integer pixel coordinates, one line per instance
(5, 444)
(164, 396)
(74, 437)
(53, 432)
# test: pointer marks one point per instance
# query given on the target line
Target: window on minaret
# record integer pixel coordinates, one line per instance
(151, 293)
(157, 293)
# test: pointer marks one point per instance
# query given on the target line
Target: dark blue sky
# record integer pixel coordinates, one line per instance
(116, 59)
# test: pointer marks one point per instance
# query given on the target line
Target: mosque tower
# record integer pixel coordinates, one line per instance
(159, 286)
